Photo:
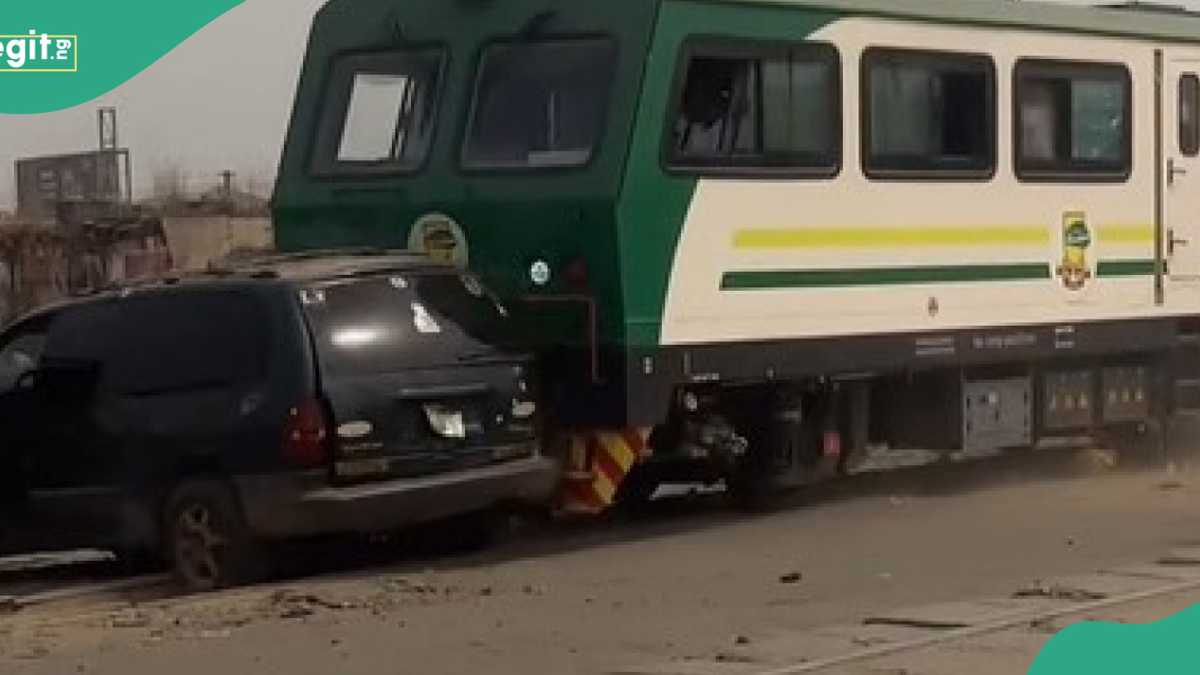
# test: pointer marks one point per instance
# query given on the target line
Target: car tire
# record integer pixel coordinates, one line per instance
(207, 540)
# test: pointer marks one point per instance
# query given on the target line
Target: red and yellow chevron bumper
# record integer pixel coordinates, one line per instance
(596, 464)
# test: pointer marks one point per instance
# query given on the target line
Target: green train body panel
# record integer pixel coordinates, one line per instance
(510, 218)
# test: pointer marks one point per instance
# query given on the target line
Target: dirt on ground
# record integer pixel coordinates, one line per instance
(693, 581)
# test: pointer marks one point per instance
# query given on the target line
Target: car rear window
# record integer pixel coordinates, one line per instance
(403, 321)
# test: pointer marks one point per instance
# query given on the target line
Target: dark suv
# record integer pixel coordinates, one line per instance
(278, 398)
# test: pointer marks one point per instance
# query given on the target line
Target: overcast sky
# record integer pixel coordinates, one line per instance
(209, 105)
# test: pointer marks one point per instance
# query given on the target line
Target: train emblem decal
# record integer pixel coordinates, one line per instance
(441, 238)
(1074, 269)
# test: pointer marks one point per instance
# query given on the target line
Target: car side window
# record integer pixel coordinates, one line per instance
(163, 343)
(186, 341)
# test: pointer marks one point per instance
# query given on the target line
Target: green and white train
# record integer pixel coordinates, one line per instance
(750, 238)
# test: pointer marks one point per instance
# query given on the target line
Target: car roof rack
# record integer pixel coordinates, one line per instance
(321, 263)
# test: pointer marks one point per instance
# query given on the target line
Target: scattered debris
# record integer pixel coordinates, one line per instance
(1044, 625)
(406, 585)
(130, 618)
(31, 653)
(288, 604)
(9, 604)
(730, 657)
(295, 612)
(791, 578)
(741, 640)
(1056, 592)
(924, 624)
(485, 591)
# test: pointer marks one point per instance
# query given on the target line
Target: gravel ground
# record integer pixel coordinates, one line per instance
(692, 581)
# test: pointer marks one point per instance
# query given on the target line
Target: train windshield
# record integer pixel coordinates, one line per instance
(539, 104)
(384, 118)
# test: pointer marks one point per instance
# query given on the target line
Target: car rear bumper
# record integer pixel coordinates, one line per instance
(304, 504)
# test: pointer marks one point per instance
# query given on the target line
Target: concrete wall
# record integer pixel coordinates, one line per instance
(196, 240)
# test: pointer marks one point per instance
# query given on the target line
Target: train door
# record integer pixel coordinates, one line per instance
(1181, 175)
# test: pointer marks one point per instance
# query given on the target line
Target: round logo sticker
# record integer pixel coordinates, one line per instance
(439, 237)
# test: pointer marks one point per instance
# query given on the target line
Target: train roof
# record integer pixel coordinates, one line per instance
(1169, 23)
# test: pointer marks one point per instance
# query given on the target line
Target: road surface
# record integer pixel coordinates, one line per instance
(692, 587)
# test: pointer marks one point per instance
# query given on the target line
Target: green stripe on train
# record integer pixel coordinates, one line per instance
(1127, 268)
(897, 276)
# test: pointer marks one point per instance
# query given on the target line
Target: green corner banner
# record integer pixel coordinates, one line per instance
(1167, 647)
(56, 54)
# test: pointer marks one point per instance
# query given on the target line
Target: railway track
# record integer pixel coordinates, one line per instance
(837, 648)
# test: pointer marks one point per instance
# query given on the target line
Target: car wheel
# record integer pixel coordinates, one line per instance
(208, 542)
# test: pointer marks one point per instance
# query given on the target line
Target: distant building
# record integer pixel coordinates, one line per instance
(79, 186)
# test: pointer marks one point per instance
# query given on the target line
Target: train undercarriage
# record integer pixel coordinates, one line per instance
(760, 439)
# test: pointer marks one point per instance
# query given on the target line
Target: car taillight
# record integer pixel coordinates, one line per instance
(306, 435)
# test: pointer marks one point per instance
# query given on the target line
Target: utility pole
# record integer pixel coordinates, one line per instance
(108, 128)
(107, 124)
(227, 189)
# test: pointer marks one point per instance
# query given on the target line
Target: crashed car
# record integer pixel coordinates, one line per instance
(287, 397)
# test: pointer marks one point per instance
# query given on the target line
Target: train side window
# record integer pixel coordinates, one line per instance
(373, 131)
(380, 114)
(1189, 115)
(1073, 121)
(745, 108)
(540, 104)
(928, 114)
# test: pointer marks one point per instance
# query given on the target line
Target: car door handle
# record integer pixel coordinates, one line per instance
(1172, 242)
(1174, 171)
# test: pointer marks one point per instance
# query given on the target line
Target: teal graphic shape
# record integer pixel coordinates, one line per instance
(117, 40)
(1167, 647)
